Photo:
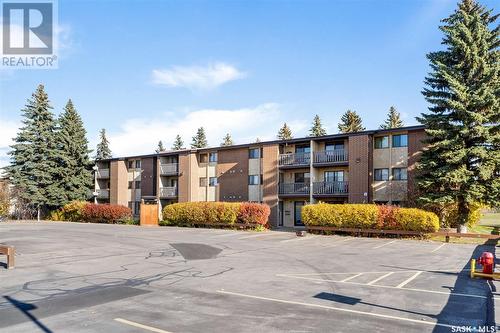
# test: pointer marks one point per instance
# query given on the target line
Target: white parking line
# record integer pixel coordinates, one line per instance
(149, 328)
(341, 241)
(437, 248)
(371, 314)
(298, 239)
(387, 287)
(235, 233)
(405, 282)
(262, 235)
(351, 277)
(380, 278)
(379, 246)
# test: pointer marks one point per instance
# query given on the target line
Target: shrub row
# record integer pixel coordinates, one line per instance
(206, 213)
(82, 211)
(369, 216)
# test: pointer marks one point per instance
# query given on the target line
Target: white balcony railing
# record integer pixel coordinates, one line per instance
(294, 159)
(169, 169)
(102, 194)
(102, 173)
(335, 187)
(168, 192)
(294, 188)
(330, 156)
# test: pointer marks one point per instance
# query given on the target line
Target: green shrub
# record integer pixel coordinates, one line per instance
(207, 213)
(369, 216)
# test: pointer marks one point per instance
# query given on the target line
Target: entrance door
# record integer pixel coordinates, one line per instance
(280, 209)
(298, 213)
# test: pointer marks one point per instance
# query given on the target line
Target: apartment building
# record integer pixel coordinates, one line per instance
(370, 166)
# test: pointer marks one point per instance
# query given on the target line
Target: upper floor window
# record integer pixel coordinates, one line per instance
(253, 179)
(212, 158)
(203, 158)
(203, 181)
(302, 177)
(400, 140)
(399, 174)
(137, 184)
(137, 164)
(130, 185)
(212, 181)
(130, 164)
(381, 174)
(381, 142)
(334, 176)
(254, 153)
(302, 149)
(334, 146)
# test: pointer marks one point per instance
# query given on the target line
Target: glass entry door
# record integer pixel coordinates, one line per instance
(298, 213)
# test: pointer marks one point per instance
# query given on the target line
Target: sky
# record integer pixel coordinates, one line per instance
(149, 70)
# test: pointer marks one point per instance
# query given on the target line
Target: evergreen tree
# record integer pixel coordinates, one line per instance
(34, 156)
(160, 147)
(103, 151)
(227, 140)
(462, 162)
(350, 122)
(178, 143)
(75, 179)
(393, 119)
(200, 139)
(285, 133)
(317, 129)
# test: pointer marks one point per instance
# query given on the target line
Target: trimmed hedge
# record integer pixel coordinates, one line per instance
(369, 216)
(105, 213)
(206, 213)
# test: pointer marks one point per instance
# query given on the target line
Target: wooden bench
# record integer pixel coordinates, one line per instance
(9, 252)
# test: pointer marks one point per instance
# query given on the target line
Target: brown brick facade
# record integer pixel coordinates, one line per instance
(148, 176)
(270, 180)
(359, 168)
(232, 174)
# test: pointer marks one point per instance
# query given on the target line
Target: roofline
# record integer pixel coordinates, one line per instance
(291, 141)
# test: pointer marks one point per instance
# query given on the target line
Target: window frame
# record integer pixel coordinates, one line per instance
(399, 136)
(210, 155)
(382, 146)
(400, 173)
(137, 182)
(137, 164)
(381, 173)
(203, 182)
(250, 156)
(212, 184)
(254, 177)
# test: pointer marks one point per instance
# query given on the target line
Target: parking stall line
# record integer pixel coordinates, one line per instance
(261, 235)
(437, 248)
(382, 245)
(411, 278)
(326, 307)
(138, 325)
(340, 241)
(298, 239)
(380, 278)
(351, 277)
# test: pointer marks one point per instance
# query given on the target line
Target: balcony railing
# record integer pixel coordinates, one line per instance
(294, 188)
(330, 187)
(102, 173)
(330, 156)
(295, 159)
(169, 169)
(168, 192)
(102, 194)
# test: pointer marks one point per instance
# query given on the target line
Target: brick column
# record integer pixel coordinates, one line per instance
(270, 186)
(359, 168)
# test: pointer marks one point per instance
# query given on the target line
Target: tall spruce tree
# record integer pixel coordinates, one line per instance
(227, 140)
(33, 168)
(461, 164)
(350, 122)
(160, 147)
(285, 133)
(75, 179)
(393, 119)
(103, 151)
(317, 129)
(178, 143)
(200, 139)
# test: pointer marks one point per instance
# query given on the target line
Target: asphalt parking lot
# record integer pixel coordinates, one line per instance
(73, 277)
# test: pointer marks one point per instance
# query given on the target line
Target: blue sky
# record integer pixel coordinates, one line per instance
(147, 70)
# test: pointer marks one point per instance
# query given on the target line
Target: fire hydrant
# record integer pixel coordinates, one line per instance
(487, 261)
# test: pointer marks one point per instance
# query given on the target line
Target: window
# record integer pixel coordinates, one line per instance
(213, 158)
(254, 153)
(203, 181)
(137, 164)
(334, 176)
(130, 164)
(302, 177)
(400, 140)
(130, 185)
(381, 174)
(137, 208)
(261, 178)
(334, 146)
(212, 181)
(302, 149)
(399, 174)
(203, 158)
(381, 142)
(253, 179)
(137, 184)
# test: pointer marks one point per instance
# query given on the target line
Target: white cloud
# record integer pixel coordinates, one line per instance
(8, 131)
(141, 136)
(197, 77)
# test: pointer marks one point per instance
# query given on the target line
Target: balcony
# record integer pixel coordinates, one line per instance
(102, 173)
(330, 188)
(102, 194)
(169, 169)
(327, 157)
(295, 160)
(294, 189)
(168, 192)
